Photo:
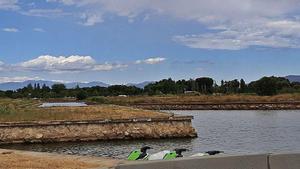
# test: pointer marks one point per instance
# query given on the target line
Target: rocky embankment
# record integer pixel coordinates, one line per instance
(223, 106)
(58, 131)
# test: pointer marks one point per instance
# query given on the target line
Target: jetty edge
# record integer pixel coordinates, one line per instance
(11, 159)
(256, 161)
(90, 130)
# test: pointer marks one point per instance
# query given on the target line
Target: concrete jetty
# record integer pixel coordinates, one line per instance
(260, 161)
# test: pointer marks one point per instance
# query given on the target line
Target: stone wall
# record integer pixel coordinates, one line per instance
(223, 106)
(57, 131)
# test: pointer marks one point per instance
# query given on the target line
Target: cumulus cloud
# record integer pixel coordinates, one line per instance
(14, 30)
(151, 61)
(234, 26)
(62, 64)
(9, 5)
(70, 64)
(17, 79)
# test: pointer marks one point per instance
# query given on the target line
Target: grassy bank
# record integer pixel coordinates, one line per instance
(106, 107)
(28, 110)
(185, 99)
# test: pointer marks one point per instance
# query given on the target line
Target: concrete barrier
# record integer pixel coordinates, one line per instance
(225, 162)
(284, 161)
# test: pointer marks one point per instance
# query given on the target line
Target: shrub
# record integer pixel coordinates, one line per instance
(81, 95)
(4, 110)
(99, 99)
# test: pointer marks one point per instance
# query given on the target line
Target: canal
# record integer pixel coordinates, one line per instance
(235, 132)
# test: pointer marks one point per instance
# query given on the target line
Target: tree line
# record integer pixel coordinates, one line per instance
(265, 86)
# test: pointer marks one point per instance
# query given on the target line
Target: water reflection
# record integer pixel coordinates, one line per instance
(116, 148)
(235, 132)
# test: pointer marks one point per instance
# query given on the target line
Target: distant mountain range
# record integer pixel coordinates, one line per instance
(293, 78)
(18, 85)
(140, 85)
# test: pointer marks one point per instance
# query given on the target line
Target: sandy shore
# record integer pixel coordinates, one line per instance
(14, 159)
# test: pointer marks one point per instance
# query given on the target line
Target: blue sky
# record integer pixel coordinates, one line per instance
(122, 41)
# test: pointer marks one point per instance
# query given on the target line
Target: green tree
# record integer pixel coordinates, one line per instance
(265, 86)
(58, 90)
(81, 95)
(243, 86)
(205, 85)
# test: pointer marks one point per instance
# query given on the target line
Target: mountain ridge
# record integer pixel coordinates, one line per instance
(17, 85)
(293, 78)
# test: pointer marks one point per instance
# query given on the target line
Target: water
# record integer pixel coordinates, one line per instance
(235, 132)
(64, 104)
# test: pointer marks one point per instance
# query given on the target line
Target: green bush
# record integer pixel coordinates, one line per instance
(99, 99)
(81, 95)
(4, 110)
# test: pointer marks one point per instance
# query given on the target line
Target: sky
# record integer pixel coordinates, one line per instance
(131, 41)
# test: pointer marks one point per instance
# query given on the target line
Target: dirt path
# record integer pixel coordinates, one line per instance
(14, 159)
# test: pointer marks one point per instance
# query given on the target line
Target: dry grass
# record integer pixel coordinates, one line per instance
(28, 110)
(183, 99)
(31, 160)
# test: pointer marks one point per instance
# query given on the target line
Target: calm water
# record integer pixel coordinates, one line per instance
(235, 132)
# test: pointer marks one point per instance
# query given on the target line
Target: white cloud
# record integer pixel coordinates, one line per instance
(233, 24)
(91, 19)
(14, 30)
(71, 64)
(1, 65)
(199, 10)
(60, 64)
(17, 79)
(39, 30)
(151, 61)
(48, 13)
(276, 34)
(9, 5)
(109, 67)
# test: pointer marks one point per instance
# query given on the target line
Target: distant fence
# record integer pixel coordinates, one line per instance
(263, 161)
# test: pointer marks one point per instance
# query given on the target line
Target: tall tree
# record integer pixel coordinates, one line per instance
(243, 86)
(205, 85)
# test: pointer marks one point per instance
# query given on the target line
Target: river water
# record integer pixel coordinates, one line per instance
(235, 132)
